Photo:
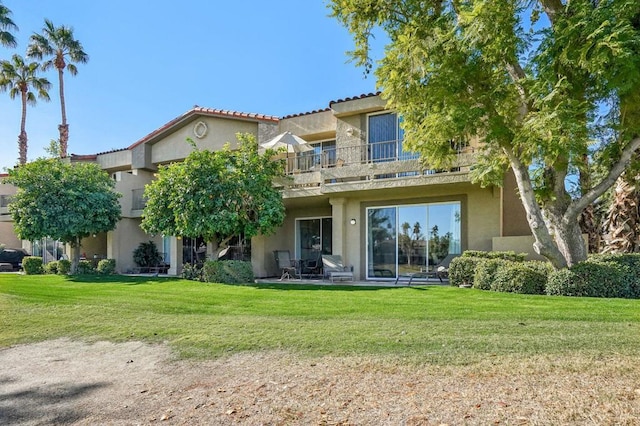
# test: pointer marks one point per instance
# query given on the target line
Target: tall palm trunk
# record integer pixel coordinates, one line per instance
(63, 128)
(22, 138)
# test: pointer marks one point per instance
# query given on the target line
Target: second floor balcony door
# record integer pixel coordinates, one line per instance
(384, 132)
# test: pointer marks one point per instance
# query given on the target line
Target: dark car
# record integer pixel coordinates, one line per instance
(13, 257)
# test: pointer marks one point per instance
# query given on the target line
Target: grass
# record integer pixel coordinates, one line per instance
(431, 324)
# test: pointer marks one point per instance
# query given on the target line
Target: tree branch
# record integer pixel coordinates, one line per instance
(552, 8)
(590, 196)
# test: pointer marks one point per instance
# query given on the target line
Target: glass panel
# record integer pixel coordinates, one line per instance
(412, 243)
(443, 231)
(381, 238)
(382, 137)
(166, 250)
(309, 239)
(327, 235)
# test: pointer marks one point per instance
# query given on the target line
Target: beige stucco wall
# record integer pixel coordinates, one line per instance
(174, 147)
(122, 241)
(8, 236)
(126, 183)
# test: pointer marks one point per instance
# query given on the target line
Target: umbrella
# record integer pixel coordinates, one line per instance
(287, 140)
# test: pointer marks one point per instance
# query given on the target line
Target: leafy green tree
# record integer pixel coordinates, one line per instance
(62, 51)
(63, 201)
(216, 195)
(7, 25)
(19, 78)
(540, 82)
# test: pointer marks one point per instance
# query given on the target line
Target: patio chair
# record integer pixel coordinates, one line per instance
(285, 264)
(335, 269)
(312, 266)
(442, 268)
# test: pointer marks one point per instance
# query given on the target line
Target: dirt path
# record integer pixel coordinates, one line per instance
(67, 382)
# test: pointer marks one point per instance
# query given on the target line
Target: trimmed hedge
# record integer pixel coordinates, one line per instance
(191, 272)
(64, 266)
(106, 267)
(228, 272)
(85, 267)
(462, 270)
(506, 255)
(519, 277)
(32, 265)
(630, 260)
(593, 278)
(485, 272)
(51, 267)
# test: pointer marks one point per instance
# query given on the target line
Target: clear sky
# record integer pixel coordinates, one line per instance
(152, 60)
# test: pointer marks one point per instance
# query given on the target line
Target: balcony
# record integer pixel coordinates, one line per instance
(376, 164)
(138, 201)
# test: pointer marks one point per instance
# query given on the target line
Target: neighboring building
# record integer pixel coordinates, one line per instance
(357, 194)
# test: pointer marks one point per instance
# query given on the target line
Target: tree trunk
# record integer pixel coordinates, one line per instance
(544, 243)
(22, 138)
(63, 127)
(75, 255)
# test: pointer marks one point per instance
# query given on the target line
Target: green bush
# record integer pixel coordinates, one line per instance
(32, 265)
(592, 279)
(485, 273)
(506, 255)
(147, 255)
(106, 267)
(630, 260)
(228, 272)
(462, 270)
(85, 267)
(64, 267)
(51, 267)
(191, 272)
(519, 277)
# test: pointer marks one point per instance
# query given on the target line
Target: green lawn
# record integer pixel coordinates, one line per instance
(419, 324)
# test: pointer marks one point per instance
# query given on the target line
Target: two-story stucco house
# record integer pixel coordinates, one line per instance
(357, 193)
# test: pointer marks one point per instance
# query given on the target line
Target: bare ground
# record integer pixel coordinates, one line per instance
(69, 382)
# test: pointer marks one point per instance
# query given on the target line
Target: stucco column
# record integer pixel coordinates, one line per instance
(339, 218)
(259, 256)
(175, 256)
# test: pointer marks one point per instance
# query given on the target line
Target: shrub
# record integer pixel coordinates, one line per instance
(592, 279)
(228, 272)
(106, 267)
(519, 277)
(630, 260)
(191, 272)
(462, 270)
(485, 273)
(64, 266)
(32, 265)
(85, 267)
(506, 255)
(51, 267)
(147, 255)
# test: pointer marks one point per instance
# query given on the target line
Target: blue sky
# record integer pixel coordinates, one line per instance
(152, 60)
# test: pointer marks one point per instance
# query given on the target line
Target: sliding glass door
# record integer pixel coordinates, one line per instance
(314, 237)
(412, 238)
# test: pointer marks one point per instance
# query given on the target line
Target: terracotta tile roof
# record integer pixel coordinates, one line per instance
(197, 110)
(306, 113)
(362, 96)
(87, 157)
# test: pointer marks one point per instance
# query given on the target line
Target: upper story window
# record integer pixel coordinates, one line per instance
(385, 138)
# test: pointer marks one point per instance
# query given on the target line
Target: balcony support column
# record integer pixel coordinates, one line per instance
(339, 223)
(175, 256)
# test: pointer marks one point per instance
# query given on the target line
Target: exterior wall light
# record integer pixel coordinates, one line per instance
(353, 221)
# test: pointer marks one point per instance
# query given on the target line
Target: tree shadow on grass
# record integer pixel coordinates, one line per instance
(329, 287)
(47, 404)
(119, 279)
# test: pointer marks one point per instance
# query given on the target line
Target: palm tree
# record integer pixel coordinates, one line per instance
(6, 26)
(19, 78)
(62, 50)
